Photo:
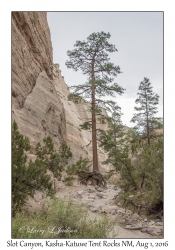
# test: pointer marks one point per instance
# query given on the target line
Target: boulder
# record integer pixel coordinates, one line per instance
(97, 209)
(128, 226)
(91, 197)
(80, 192)
(121, 211)
(113, 211)
(91, 191)
(100, 195)
(155, 231)
(144, 230)
(99, 189)
(109, 209)
(90, 206)
(38, 195)
(135, 217)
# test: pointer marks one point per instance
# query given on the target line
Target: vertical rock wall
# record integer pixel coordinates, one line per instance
(74, 135)
(39, 92)
(42, 113)
(31, 53)
(36, 107)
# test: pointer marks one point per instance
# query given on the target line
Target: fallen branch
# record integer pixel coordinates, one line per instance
(134, 228)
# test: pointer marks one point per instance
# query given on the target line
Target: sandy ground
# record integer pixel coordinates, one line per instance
(86, 197)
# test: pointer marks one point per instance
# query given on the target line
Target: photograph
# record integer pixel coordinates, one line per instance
(87, 132)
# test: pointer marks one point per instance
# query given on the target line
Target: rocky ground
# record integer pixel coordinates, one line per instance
(104, 201)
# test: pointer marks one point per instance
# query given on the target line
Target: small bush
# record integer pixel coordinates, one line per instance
(108, 175)
(69, 180)
(149, 178)
(60, 219)
(53, 160)
(25, 178)
(80, 165)
(28, 177)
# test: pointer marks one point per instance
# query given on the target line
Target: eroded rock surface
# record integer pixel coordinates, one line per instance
(39, 92)
(42, 114)
(31, 53)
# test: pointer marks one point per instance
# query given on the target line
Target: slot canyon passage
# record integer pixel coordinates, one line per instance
(41, 109)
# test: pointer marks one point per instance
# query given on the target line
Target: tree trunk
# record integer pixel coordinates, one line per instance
(143, 179)
(94, 138)
(147, 122)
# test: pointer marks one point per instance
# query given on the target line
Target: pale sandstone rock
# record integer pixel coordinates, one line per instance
(109, 209)
(80, 192)
(31, 52)
(31, 157)
(39, 195)
(42, 114)
(74, 135)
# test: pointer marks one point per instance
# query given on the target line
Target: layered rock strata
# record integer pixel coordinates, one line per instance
(31, 53)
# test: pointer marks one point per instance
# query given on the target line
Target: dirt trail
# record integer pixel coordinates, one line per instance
(91, 197)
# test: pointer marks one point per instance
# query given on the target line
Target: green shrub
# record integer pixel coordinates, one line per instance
(26, 178)
(80, 165)
(60, 219)
(108, 175)
(20, 145)
(54, 161)
(69, 180)
(148, 175)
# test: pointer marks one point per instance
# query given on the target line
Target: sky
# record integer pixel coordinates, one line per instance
(138, 37)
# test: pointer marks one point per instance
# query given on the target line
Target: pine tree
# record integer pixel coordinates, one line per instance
(116, 142)
(113, 138)
(145, 118)
(91, 57)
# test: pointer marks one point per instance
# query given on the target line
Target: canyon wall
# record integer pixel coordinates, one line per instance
(39, 92)
(31, 53)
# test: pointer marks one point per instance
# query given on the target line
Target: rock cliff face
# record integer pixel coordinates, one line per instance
(39, 92)
(42, 113)
(31, 53)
